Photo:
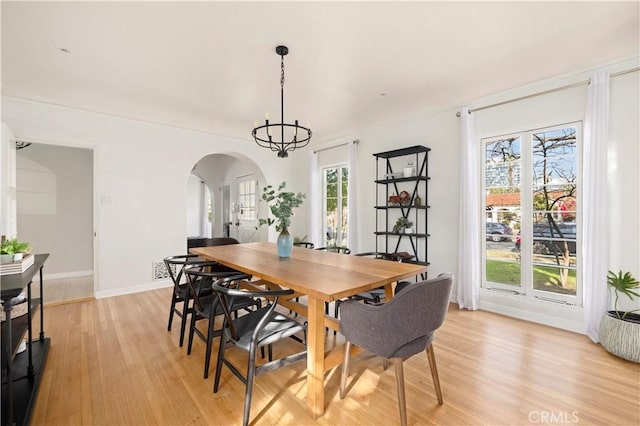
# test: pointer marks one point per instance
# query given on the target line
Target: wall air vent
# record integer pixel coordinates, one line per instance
(160, 271)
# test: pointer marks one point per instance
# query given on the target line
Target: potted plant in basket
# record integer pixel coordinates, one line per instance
(281, 205)
(12, 250)
(620, 330)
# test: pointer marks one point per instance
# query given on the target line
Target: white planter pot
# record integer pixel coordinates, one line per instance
(619, 337)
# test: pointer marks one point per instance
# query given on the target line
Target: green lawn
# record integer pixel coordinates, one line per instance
(544, 277)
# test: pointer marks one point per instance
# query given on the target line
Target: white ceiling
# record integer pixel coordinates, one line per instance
(211, 66)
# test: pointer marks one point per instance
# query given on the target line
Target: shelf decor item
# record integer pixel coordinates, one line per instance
(405, 198)
(409, 170)
(403, 225)
(281, 206)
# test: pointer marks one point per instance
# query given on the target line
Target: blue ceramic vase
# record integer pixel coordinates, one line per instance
(285, 243)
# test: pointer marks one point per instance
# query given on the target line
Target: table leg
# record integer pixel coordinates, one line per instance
(388, 292)
(315, 357)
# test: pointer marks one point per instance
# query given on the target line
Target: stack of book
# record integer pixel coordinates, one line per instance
(17, 267)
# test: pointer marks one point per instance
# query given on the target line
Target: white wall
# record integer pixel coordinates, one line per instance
(141, 171)
(55, 206)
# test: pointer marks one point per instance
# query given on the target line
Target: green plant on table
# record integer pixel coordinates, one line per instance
(281, 205)
(623, 284)
(13, 246)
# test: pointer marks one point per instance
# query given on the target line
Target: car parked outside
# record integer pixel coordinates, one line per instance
(497, 232)
(542, 231)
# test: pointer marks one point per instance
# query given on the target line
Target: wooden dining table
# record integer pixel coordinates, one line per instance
(321, 276)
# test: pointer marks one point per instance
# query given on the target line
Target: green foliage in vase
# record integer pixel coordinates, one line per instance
(281, 205)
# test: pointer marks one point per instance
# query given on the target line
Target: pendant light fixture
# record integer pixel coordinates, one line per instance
(281, 137)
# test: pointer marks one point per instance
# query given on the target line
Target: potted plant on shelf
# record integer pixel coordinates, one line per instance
(403, 226)
(12, 250)
(281, 205)
(620, 330)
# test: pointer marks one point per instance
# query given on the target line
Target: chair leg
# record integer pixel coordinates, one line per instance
(192, 327)
(402, 403)
(434, 372)
(251, 373)
(326, 312)
(345, 370)
(336, 313)
(173, 307)
(207, 355)
(183, 324)
(223, 343)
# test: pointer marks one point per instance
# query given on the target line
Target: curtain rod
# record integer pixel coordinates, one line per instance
(356, 141)
(556, 89)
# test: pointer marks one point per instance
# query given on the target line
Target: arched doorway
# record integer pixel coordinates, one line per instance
(234, 184)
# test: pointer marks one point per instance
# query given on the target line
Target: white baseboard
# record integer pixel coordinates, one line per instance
(134, 289)
(565, 317)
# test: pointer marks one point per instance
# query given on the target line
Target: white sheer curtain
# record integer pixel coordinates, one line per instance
(352, 199)
(595, 242)
(314, 200)
(469, 270)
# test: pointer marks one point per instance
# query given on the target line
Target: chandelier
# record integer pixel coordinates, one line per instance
(292, 136)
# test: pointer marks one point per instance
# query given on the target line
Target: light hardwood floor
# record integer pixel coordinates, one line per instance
(64, 289)
(112, 362)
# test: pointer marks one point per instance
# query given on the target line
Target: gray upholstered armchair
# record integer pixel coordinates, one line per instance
(398, 329)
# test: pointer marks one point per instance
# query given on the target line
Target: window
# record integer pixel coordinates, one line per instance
(335, 207)
(247, 199)
(531, 214)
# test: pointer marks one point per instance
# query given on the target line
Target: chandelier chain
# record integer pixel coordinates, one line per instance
(282, 72)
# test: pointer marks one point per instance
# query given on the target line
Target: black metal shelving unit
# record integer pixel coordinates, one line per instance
(391, 181)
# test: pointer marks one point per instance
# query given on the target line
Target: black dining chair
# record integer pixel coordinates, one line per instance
(175, 266)
(200, 278)
(398, 329)
(220, 241)
(304, 244)
(335, 249)
(254, 330)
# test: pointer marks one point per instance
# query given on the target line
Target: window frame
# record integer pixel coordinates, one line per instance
(339, 209)
(526, 287)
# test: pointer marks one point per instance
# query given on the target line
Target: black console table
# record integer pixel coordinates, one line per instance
(21, 373)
